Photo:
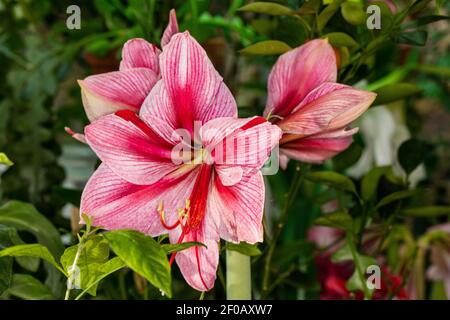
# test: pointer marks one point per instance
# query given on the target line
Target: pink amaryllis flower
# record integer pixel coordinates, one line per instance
(215, 192)
(127, 88)
(313, 110)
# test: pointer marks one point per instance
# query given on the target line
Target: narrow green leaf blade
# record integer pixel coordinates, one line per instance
(269, 8)
(267, 47)
(328, 13)
(394, 92)
(31, 250)
(369, 183)
(340, 220)
(176, 247)
(340, 39)
(248, 249)
(426, 212)
(396, 196)
(333, 179)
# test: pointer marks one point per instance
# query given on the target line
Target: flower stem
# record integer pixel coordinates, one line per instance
(239, 284)
(71, 271)
(297, 181)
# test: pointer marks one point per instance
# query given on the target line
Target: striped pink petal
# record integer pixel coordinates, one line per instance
(108, 92)
(199, 264)
(195, 89)
(240, 142)
(115, 203)
(130, 148)
(171, 29)
(319, 147)
(159, 105)
(296, 73)
(329, 107)
(229, 175)
(138, 53)
(240, 208)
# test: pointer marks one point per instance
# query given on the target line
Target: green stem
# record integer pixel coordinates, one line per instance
(295, 187)
(419, 270)
(361, 273)
(71, 270)
(239, 284)
(122, 287)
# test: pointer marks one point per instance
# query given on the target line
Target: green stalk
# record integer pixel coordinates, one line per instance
(239, 284)
(295, 187)
(71, 270)
(361, 273)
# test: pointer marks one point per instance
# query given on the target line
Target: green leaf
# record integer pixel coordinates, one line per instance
(426, 212)
(6, 264)
(327, 13)
(5, 160)
(104, 270)
(27, 287)
(417, 6)
(143, 255)
(356, 282)
(416, 37)
(31, 250)
(396, 196)
(369, 183)
(332, 179)
(91, 255)
(343, 254)
(176, 247)
(423, 21)
(353, 13)
(267, 47)
(340, 39)
(24, 216)
(248, 249)
(411, 154)
(310, 7)
(340, 220)
(394, 92)
(269, 8)
(10, 237)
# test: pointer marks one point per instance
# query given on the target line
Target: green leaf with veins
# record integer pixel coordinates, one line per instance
(143, 255)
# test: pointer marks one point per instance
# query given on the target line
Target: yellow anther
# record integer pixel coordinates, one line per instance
(160, 207)
(181, 213)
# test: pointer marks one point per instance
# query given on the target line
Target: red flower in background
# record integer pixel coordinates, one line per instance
(333, 278)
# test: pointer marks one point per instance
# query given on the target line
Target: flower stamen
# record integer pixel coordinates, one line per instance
(163, 220)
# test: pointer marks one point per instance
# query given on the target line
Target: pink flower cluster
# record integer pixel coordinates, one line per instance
(141, 114)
